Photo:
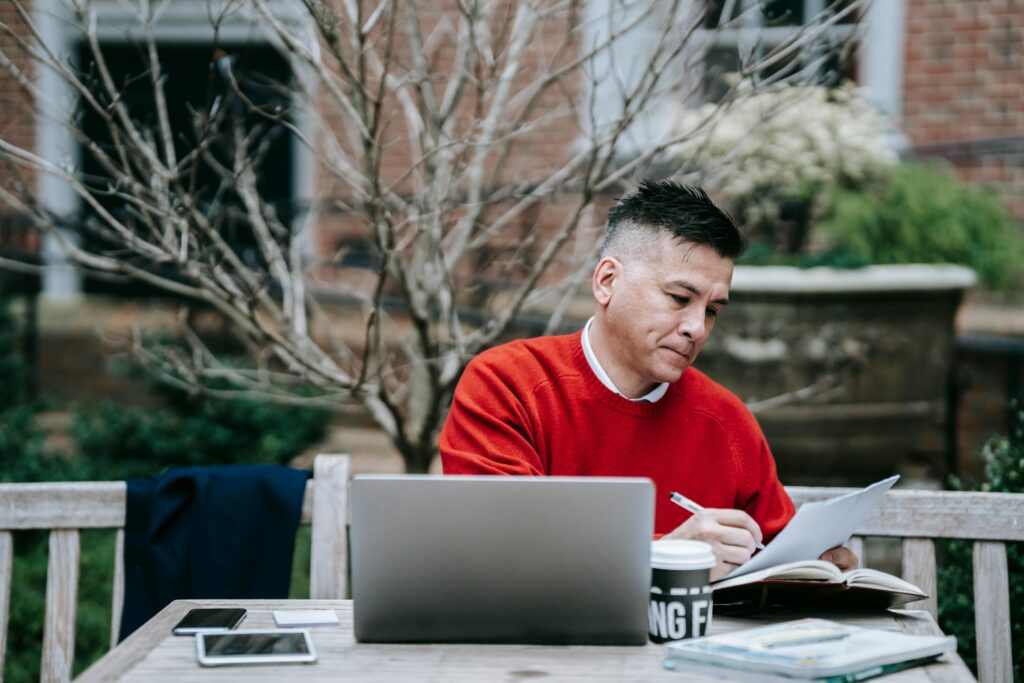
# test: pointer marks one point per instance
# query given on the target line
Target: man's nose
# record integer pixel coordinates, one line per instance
(692, 325)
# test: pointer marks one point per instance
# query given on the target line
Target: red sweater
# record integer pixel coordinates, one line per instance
(536, 407)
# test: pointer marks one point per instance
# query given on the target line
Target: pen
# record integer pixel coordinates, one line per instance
(802, 638)
(687, 504)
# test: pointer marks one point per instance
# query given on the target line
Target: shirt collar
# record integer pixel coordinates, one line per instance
(655, 393)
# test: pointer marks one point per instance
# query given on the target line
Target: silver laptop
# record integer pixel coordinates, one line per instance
(501, 559)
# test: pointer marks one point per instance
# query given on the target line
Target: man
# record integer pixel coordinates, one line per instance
(619, 398)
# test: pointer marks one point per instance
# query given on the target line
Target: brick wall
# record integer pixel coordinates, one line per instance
(17, 126)
(963, 96)
(543, 144)
(17, 117)
(551, 127)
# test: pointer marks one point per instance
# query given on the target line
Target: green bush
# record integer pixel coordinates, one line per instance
(95, 586)
(114, 442)
(12, 367)
(22, 457)
(923, 215)
(1004, 471)
(764, 254)
(122, 441)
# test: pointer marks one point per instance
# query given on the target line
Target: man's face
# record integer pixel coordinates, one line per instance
(660, 307)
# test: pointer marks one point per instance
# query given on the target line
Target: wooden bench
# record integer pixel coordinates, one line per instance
(66, 508)
(990, 520)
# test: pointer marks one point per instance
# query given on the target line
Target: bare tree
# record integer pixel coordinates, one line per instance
(465, 150)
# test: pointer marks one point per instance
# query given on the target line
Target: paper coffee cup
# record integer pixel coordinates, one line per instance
(680, 590)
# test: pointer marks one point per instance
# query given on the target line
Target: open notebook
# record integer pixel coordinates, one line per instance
(816, 582)
(787, 571)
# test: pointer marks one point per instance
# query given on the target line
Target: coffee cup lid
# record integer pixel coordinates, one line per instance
(682, 555)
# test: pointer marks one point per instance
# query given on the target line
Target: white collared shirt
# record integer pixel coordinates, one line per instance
(655, 393)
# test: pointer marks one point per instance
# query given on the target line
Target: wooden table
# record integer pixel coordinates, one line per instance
(153, 654)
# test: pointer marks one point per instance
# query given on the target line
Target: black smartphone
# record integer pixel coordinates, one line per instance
(208, 619)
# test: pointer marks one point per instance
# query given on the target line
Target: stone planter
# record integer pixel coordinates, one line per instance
(846, 370)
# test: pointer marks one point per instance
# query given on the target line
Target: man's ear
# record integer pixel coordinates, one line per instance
(605, 274)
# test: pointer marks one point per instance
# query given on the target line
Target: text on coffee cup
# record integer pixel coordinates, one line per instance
(669, 619)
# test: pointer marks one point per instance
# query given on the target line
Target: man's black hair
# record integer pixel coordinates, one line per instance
(685, 211)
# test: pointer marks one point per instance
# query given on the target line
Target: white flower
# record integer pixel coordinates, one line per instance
(767, 146)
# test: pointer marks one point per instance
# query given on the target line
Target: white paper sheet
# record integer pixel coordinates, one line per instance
(818, 526)
(306, 617)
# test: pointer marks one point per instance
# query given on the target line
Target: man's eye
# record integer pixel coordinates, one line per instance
(681, 300)
(712, 313)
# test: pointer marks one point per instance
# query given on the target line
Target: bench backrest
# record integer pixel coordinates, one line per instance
(65, 508)
(990, 520)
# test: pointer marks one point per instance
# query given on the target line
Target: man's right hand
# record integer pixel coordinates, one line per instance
(732, 535)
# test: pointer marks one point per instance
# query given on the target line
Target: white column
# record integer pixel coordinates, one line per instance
(881, 55)
(622, 65)
(305, 176)
(62, 279)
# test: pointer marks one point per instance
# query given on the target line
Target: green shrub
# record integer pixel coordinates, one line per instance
(13, 371)
(764, 254)
(923, 215)
(114, 442)
(122, 441)
(23, 457)
(28, 603)
(1004, 471)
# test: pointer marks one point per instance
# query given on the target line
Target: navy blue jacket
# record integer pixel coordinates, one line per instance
(209, 532)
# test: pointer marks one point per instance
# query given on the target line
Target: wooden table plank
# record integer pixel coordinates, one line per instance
(153, 654)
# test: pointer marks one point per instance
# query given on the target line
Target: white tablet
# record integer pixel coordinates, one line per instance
(255, 646)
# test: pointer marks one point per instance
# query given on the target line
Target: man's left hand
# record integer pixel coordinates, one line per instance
(841, 556)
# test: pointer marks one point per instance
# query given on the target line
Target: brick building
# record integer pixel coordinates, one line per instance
(950, 73)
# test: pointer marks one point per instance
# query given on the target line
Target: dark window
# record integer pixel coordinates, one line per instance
(783, 12)
(830, 61)
(771, 12)
(193, 83)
